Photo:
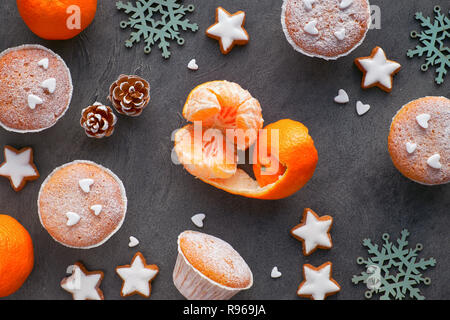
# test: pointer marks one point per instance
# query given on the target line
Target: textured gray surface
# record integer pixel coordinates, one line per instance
(355, 181)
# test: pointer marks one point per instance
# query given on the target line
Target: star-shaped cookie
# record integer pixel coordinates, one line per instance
(137, 277)
(18, 167)
(313, 231)
(82, 284)
(317, 283)
(228, 29)
(378, 70)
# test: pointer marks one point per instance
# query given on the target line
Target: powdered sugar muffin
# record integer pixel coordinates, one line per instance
(419, 140)
(327, 29)
(208, 268)
(82, 204)
(35, 88)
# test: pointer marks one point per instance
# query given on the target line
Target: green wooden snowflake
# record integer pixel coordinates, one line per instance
(432, 41)
(393, 284)
(156, 21)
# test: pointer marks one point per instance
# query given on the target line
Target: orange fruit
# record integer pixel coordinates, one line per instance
(226, 106)
(57, 19)
(16, 255)
(214, 158)
(284, 157)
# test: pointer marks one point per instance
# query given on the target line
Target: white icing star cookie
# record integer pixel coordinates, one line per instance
(137, 277)
(318, 283)
(18, 167)
(378, 70)
(228, 29)
(82, 284)
(313, 232)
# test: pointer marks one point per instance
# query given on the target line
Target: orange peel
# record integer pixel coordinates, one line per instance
(284, 156)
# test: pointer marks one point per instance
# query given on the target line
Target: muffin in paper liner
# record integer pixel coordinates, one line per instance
(209, 268)
(327, 29)
(62, 193)
(35, 88)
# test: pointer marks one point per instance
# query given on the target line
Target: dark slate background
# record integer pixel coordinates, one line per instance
(355, 180)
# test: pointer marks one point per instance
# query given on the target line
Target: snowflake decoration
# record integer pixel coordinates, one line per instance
(432, 40)
(143, 20)
(379, 277)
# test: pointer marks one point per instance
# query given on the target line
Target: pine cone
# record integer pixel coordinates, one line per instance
(129, 95)
(98, 120)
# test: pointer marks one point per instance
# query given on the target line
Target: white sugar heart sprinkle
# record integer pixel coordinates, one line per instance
(43, 63)
(433, 161)
(275, 273)
(97, 208)
(133, 242)
(340, 34)
(34, 100)
(342, 97)
(411, 147)
(422, 120)
(192, 65)
(72, 218)
(85, 184)
(308, 4)
(49, 84)
(345, 4)
(310, 28)
(198, 219)
(362, 108)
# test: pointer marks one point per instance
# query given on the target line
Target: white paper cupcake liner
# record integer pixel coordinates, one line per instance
(193, 285)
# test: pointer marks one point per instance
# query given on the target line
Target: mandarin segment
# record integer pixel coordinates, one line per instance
(226, 106)
(207, 155)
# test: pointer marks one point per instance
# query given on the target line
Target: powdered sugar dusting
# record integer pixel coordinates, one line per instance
(21, 76)
(60, 193)
(432, 140)
(213, 256)
(355, 20)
